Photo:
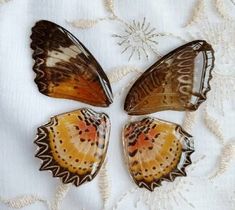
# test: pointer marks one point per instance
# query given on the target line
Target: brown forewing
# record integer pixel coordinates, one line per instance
(169, 84)
(65, 68)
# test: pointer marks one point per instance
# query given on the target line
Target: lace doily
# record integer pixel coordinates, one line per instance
(138, 39)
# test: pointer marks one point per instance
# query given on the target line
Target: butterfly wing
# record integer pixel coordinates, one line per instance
(178, 81)
(156, 151)
(73, 145)
(65, 68)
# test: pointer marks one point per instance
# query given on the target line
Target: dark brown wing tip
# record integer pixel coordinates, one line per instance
(38, 36)
(37, 28)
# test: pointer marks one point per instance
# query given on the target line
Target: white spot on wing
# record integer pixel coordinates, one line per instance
(64, 54)
(51, 62)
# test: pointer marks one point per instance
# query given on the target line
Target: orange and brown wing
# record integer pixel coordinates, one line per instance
(156, 151)
(73, 145)
(178, 81)
(65, 68)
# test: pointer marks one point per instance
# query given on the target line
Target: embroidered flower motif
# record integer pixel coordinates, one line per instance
(221, 36)
(169, 196)
(138, 39)
(223, 8)
(225, 160)
(165, 197)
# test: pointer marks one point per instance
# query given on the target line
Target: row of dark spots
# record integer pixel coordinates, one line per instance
(80, 131)
(70, 157)
(60, 141)
(89, 140)
(146, 170)
(77, 161)
(153, 175)
(153, 168)
(83, 140)
(177, 145)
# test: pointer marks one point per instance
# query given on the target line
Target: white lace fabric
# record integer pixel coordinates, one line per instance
(103, 26)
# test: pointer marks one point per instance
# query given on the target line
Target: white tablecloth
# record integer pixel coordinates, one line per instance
(23, 108)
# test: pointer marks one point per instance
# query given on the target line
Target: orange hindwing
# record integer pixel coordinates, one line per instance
(156, 150)
(73, 145)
